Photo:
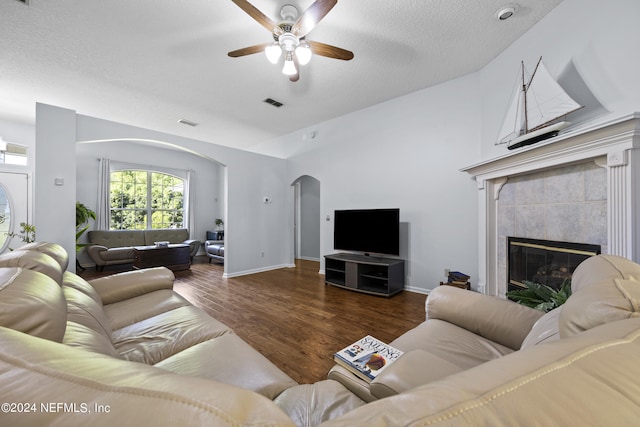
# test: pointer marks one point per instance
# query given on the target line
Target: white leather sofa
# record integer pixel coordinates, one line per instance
(109, 352)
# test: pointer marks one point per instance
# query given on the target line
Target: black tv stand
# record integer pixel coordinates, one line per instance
(365, 273)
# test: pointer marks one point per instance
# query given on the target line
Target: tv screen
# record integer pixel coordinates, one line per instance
(367, 230)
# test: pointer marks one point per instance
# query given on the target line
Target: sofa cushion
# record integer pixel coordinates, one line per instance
(82, 336)
(35, 261)
(124, 254)
(33, 303)
(35, 370)
(230, 360)
(166, 334)
(171, 235)
(85, 310)
(606, 288)
(312, 404)
(54, 250)
(544, 330)
(134, 310)
(116, 238)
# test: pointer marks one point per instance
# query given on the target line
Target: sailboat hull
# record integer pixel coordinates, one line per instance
(538, 135)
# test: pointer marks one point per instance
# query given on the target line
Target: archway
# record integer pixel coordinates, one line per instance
(306, 214)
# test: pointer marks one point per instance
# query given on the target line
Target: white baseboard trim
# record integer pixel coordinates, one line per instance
(256, 270)
(417, 290)
(308, 258)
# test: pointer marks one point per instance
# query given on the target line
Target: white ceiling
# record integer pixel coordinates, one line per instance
(149, 63)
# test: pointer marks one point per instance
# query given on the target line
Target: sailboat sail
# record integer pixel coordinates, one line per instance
(546, 102)
(513, 124)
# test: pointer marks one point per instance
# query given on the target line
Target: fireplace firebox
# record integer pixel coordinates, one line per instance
(544, 261)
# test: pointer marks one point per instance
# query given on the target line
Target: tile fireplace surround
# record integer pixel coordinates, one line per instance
(582, 186)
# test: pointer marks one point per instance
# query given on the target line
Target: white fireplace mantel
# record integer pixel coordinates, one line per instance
(612, 144)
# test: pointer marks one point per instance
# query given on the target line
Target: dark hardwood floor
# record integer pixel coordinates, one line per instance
(291, 317)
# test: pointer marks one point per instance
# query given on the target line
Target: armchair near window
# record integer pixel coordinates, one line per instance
(214, 246)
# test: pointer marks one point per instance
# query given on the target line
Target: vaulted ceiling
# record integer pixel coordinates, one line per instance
(150, 63)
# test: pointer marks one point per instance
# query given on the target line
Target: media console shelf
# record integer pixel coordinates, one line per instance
(368, 274)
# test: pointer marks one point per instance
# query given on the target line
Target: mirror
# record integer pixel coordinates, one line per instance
(5, 218)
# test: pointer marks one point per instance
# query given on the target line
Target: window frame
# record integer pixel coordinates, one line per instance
(149, 210)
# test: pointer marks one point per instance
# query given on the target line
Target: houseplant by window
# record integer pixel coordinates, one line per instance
(83, 215)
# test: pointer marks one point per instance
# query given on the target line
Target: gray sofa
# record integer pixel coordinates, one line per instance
(113, 247)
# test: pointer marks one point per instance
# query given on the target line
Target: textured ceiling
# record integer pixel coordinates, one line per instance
(149, 63)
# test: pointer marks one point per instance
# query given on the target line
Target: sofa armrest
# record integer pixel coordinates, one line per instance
(412, 369)
(130, 284)
(498, 320)
(94, 252)
(194, 245)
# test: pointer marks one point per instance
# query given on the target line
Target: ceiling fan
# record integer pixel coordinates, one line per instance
(289, 36)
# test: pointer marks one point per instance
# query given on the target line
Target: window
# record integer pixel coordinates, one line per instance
(143, 199)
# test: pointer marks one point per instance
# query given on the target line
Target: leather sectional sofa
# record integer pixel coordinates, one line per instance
(126, 349)
(115, 247)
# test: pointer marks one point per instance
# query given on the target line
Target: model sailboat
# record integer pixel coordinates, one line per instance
(536, 110)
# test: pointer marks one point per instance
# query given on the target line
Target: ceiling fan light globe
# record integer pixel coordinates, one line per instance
(273, 53)
(303, 52)
(289, 68)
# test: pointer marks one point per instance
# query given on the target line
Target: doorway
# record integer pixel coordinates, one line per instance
(306, 227)
(14, 207)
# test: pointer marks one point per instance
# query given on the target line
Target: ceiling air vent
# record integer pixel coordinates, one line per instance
(273, 102)
(188, 122)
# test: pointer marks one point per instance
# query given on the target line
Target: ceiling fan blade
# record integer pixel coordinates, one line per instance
(250, 50)
(314, 14)
(329, 51)
(260, 17)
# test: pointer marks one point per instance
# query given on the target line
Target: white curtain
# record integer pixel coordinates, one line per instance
(102, 206)
(189, 205)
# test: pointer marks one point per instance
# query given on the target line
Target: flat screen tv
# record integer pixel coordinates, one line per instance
(367, 230)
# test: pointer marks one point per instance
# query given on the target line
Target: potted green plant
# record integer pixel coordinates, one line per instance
(541, 297)
(219, 224)
(27, 233)
(83, 215)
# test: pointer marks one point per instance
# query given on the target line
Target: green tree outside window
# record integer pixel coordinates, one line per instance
(146, 200)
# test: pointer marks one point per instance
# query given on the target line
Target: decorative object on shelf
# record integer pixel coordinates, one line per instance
(536, 107)
(541, 297)
(219, 224)
(367, 358)
(289, 36)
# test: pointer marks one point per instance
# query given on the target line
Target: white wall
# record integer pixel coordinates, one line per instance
(55, 209)
(590, 46)
(257, 235)
(404, 154)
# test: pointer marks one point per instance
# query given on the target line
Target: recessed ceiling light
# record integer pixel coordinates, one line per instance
(506, 12)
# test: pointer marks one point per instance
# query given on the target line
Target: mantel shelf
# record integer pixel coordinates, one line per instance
(611, 138)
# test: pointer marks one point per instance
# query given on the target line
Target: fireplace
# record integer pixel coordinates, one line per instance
(547, 262)
(608, 194)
